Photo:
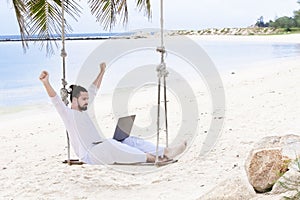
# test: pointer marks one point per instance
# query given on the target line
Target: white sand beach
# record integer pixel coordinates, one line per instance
(263, 99)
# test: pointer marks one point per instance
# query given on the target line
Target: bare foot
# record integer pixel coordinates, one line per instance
(172, 152)
(152, 158)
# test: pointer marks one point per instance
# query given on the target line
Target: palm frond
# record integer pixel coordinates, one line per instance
(122, 10)
(72, 8)
(43, 19)
(105, 12)
(146, 6)
(20, 10)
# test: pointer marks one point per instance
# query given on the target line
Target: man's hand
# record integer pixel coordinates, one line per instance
(102, 67)
(44, 77)
(98, 80)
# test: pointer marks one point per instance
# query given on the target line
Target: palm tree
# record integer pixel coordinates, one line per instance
(43, 18)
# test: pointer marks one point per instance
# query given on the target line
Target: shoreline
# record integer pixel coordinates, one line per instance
(138, 35)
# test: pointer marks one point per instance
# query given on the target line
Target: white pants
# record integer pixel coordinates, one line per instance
(143, 145)
(131, 150)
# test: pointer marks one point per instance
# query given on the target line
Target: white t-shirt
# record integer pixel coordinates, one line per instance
(81, 129)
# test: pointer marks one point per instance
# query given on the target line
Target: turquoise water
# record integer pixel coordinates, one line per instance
(231, 55)
(19, 71)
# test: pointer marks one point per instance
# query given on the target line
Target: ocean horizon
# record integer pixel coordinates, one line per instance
(68, 36)
(19, 71)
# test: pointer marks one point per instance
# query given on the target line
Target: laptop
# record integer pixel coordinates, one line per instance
(123, 128)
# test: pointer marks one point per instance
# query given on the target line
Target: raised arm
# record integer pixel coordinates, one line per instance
(44, 77)
(98, 80)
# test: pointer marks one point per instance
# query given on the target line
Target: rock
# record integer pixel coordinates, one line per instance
(235, 188)
(264, 168)
(269, 160)
(289, 181)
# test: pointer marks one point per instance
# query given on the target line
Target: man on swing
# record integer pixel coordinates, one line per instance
(84, 136)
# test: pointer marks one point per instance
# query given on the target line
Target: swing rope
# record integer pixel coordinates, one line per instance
(162, 73)
(63, 90)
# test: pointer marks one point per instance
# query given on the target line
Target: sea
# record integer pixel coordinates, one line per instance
(20, 69)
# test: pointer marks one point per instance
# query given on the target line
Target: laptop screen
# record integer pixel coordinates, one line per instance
(124, 127)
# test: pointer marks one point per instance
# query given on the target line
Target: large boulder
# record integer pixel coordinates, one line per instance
(235, 188)
(269, 160)
(265, 167)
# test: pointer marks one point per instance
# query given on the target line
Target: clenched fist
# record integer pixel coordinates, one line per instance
(102, 67)
(44, 77)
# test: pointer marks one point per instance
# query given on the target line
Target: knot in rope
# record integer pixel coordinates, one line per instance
(64, 92)
(63, 53)
(64, 82)
(161, 50)
(64, 95)
(162, 70)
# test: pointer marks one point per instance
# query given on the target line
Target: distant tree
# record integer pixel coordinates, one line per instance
(260, 22)
(283, 22)
(297, 18)
(271, 24)
(267, 24)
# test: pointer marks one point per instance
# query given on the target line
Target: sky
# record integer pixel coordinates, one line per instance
(178, 14)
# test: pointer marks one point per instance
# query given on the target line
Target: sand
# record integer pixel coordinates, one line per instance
(261, 100)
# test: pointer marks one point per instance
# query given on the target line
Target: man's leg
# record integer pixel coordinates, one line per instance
(172, 152)
(143, 145)
(111, 151)
(150, 148)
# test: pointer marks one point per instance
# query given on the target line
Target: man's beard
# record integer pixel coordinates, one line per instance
(82, 108)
